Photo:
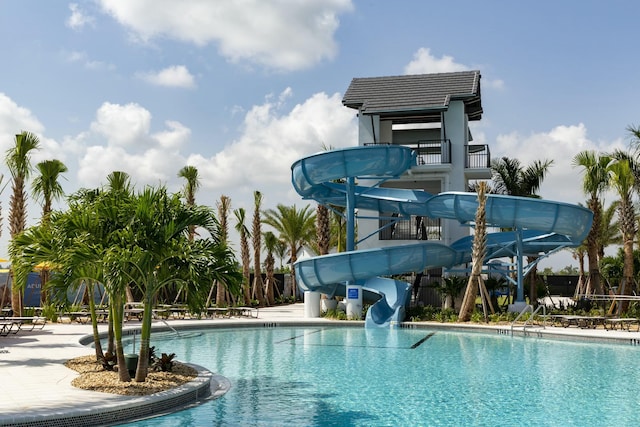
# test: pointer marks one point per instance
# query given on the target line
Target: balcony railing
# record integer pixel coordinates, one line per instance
(438, 152)
(416, 228)
(478, 156)
(432, 152)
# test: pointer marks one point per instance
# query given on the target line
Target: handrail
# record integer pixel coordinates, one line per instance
(529, 307)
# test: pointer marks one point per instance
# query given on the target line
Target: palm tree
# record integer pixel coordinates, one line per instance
(190, 174)
(478, 254)
(80, 242)
(270, 243)
(47, 187)
(223, 205)
(610, 229)
(256, 234)
(296, 228)
(323, 229)
(245, 256)
(163, 255)
(18, 161)
(621, 178)
(595, 182)
(512, 178)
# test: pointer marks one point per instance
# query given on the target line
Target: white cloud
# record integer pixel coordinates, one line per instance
(424, 63)
(271, 141)
(78, 19)
(281, 35)
(175, 76)
(563, 182)
(123, 125)
(15, 119)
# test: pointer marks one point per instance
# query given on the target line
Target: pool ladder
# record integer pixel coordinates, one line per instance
(533, 313)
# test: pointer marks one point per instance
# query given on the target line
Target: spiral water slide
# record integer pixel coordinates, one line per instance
(540, 226)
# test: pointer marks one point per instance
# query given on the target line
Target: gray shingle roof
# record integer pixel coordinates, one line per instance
(415, 94)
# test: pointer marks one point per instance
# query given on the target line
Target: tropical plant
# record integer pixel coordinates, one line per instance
(478, 253)
(595, 181)
(621, 178)
(510, 177)
(46, 185)
(256, 236)
(190, 174)
(224, 206)
(18, 160)
(164, 363)
(160, 253)
(77, 243)
(245, 256)
(270, 242)
(295, 226)
(449, 289)
(47, 188)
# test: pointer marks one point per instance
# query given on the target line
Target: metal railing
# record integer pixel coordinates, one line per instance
(415, 228)
(477, 156)
(529, 307)
(438, 152)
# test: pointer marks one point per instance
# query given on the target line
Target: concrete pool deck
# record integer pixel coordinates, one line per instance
(37, 386)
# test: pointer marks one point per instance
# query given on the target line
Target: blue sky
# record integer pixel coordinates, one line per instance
(242, 89)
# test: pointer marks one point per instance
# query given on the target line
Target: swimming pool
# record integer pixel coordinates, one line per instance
(325, 376)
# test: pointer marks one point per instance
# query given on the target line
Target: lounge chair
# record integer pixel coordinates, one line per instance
(9, 327)
(29, 321)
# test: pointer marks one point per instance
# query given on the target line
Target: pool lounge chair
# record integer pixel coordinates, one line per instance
(9, 327)
(29, 322)
(622, 323)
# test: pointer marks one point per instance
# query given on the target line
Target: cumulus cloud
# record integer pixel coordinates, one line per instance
(15, 119)
(279, 35)
(123, 125)
(271, 141)
(78, 19)
(175, 76)
(424, 62)
(560, 144)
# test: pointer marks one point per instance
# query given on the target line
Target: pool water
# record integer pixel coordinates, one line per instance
(321, 376)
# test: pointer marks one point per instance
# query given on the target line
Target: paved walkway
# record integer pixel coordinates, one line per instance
(35, 382)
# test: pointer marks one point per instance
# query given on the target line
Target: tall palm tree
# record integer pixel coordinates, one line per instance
(270, 243)
(79, 242)
(18, 160)
(610, 229)
(295, 226)
(46, 186)
(323, 229)
(595, 181)
(512, 178)
(190, 174)
(478, 253)
(223, 206)
(245, 256)
(256, 235)
(621, 178)
(163, 255)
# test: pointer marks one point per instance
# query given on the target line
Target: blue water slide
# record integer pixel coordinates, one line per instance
(541, 226)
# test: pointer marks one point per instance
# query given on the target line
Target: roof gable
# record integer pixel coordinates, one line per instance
(415, 93)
